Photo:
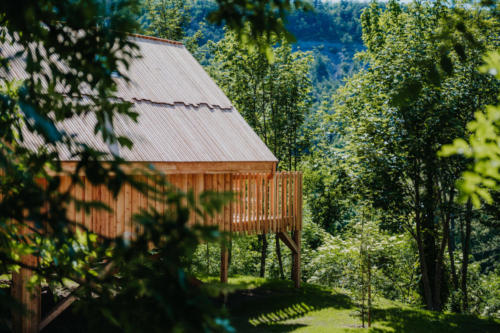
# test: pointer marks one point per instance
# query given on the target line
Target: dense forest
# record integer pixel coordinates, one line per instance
(331, 32)
(389, 110)
(350, 203)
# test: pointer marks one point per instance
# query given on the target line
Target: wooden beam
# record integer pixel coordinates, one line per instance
(296, 259)
(65, 303)
(140, 168)
(285, 238)
(294, 245)
(224, 263)
(56, 311)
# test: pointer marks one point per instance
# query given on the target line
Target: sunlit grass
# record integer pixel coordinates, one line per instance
(260, 305)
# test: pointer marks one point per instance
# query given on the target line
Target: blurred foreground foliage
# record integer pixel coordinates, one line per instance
(133, 283)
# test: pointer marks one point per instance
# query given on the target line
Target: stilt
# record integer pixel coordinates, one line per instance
(293, 244)
(296, 259)
(27, 322)
(224, 256)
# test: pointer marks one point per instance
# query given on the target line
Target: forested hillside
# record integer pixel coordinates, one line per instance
(331, 31)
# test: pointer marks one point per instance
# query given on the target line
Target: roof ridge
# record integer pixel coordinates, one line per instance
(164, 40)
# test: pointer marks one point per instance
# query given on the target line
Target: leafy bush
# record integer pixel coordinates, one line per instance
(337, 262)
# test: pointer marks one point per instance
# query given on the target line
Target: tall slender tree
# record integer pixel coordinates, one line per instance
(166, 18)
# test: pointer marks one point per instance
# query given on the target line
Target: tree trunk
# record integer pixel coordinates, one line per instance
(431, 247)
(208, 260)
(278, 255)
(465, 255)
(440, 255)
(455, 306)
(419, 234)
(425, 276)
(363, 290)
(263, 255)
(369, 286)
(230, 255)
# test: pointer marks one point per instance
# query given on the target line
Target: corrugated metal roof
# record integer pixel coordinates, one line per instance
(173, 133)
(183, 115)
(168, 73)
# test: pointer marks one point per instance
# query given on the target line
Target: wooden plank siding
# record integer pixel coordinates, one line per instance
(263, 202)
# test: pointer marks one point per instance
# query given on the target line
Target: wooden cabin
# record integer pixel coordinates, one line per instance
(190, 132)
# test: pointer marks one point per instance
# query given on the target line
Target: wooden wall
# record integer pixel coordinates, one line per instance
(263, 203)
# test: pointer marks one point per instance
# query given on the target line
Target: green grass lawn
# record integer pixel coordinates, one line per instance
(260, 305)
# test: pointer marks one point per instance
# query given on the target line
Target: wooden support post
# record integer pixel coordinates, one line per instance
(30, 299)
(293, 244)
(296, 259)
(285, 238)
(57, 310)
(224, 263)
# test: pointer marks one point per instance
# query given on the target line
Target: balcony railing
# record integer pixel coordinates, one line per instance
(267, 203)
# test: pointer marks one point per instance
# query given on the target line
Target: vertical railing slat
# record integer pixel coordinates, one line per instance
(300, 202)
(249, 205)
(200, 188)
(234, 211)
(294, 204)
(253, 200)
(120, 212)
(279, 210)
(277, 203)
(87, 218)
(290, 201)
(220, 214)
(258, 184)
(239, 207)
(253, 183)
(243, 202)
(266, 204)
(189, 188)
(207, 185)
(227, 208)
(79, 189)
(128, 208)
(272, 197)
(283, 202)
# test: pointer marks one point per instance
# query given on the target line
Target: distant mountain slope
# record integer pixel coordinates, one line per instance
(330, 22)
(332, 32)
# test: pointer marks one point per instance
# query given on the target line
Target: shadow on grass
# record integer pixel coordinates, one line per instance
(276, 301)
(415, 320)
(275, 328)
(266, 308)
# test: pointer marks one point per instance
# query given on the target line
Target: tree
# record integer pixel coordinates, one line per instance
(481, 146)
(170, 19)
(166, 18)
(274, 98)
(396, 114)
